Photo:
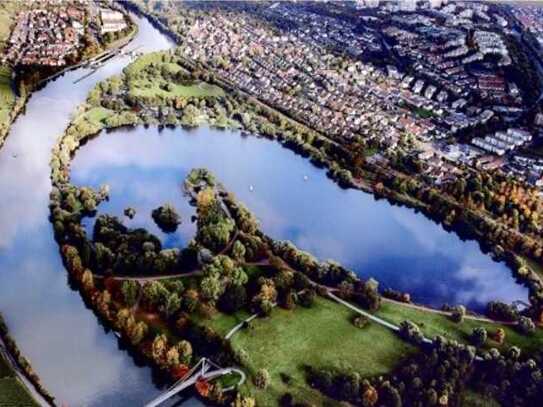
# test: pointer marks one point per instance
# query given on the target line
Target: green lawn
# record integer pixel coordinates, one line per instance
(222, 323)
(319, 336)
(146, 88)
(5, 368)
(96, 115)
(141, 62)
(12, 392)
(434, 324)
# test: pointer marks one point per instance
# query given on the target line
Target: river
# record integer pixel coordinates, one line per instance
(81, 363)
(77, 360)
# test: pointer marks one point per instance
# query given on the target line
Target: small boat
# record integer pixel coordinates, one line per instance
(251, 188)
(306, 177)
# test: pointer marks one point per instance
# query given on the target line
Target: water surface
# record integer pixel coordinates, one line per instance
(404, 250)
(76, 359)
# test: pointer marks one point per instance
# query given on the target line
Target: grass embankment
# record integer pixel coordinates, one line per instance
(147, 88)
(321, 336)
(7, 98)
(12, 391)
(433, 324)
(8, 12)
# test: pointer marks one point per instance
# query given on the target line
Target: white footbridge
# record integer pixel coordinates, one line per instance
(205, 369)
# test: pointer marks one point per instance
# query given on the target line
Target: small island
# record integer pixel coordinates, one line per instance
(166, 218)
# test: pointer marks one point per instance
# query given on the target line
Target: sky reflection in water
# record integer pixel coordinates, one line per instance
(76, 360)
(402, 249)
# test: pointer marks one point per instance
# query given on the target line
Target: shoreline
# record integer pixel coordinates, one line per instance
(29, 380)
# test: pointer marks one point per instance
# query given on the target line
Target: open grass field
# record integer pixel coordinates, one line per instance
(146, 88)
(12, 391)
(433, 324)
(5, 368)
(13, 394)
(96, 115)
(223, 323)
(319, 336)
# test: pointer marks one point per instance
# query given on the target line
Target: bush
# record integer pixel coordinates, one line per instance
(307, 298)
(166, 218)
(458, 313)
(262, 379)
(360, 321)
(411, 332)
(502, 312)
(479, 336)
(525, 326)
(233, 299)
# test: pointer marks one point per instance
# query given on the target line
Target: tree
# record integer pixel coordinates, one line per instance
(87, 280)
(458, 313)
(172, 357)
(233, 299)
(238, 251)
(137, 332)
(526, 326)
(499, 335)
(262, 378)
(190, 300)
(130, 213)
(307, 297)
(243, 401)
(479, 336)
(211, 287)
(166, 217)
(185, 351)
(370, 396)
(291, 298)
(173, 304)
(130, 290)
(410, 332)
(159, 348)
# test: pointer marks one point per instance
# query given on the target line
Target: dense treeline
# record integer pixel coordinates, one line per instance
(436, 376)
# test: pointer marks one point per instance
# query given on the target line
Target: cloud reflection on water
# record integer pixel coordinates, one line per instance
(402, 249)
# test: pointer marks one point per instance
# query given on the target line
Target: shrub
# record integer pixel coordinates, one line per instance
(479, 336)
(501, 311)
(307, 298)
(458, 313)
(525, 326)
(360, 321)
(262, 378)
(410, 332)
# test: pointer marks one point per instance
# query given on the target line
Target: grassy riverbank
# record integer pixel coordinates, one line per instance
(433, 324)
(12, 391)
(321, 336)
(7, 96)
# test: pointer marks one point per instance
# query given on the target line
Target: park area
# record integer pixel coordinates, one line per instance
(288, 342)
(320, 336)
